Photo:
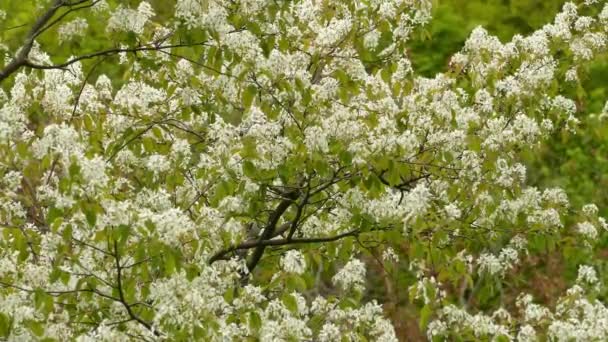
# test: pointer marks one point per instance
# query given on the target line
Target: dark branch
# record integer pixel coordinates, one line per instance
(270, 227)
(107, 52)
(296, 220)
(135, 137)
(121, 295)
(21, 58)
(406, 184)
(280, 242)
(72, 9)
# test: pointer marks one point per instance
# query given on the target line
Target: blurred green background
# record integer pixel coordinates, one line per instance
(577, 162)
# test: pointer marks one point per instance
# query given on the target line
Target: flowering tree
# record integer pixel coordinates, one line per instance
(242, 152)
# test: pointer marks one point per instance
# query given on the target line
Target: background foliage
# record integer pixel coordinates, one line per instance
(578, 163)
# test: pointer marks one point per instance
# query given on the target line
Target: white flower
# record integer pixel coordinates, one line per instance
(100, 6)
(127, 19)
(565, 105)
(389, 255)
(231, 204)
(316, 139)
(180, 150)
(583, 23)
(371, 39)
(436, 328)
(586, 274)
(587, 229)
(158, 164)
(417, 201)
(556, 196)
(12, 180)
(93, 172)
(351, 276)
(58, 139)
(452, 211)
(526, 334)
(293, 262)
(590, 210)
(71, 29)
(484, 100)
(490, 264)
(139, 96)
(172, 225)
(333, 32)
(603, 16)
(329, 332)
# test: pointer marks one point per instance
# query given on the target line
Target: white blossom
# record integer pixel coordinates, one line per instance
(293, 262)
(351, 276)
(127, 19)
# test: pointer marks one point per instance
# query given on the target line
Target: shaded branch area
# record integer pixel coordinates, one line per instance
(298, 197)
(260, 244)
(41, 25)
(296, 205)
(110, 289)
(53, 16)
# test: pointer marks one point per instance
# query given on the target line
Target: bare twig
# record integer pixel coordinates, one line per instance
(279, 242)
(21, 58)
(121, 295)
(270, 227)
(107, 52)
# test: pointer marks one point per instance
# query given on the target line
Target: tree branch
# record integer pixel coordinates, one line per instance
(72, 9)
(406, 184)
(269, 230)
(296, 220)
(107, 52)
(121, 295)
(21, 58)
(280, 242)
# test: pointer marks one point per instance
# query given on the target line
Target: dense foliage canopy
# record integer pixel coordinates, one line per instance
(233, 169)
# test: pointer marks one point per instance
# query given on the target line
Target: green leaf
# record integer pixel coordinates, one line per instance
(502, 338)
(290, 302)
(248, 95)
(255, 322)
(122, 233)
(229, 295)
(22, 149)
(346, 157)
(158, 133)
(171, 261)
(36, 328)
(74, 170)
(149, 144)
(54, 214)
(90, 214)
(88, 123)
(43, 302)
(425, 316)
(295, 282)
(5, 325)
(249, 169)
